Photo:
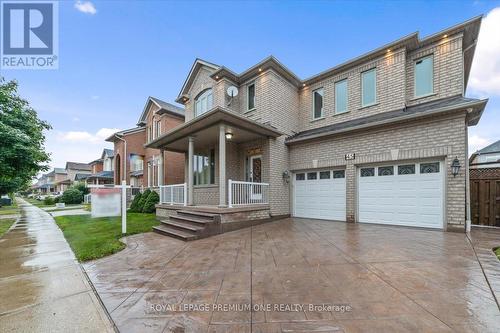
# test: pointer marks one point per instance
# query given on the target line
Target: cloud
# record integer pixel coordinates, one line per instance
(477, 142)
(485, 72)
(86, 7)
(86, 137)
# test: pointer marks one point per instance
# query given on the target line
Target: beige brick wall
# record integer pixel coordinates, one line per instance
(201, 82)
(438, 138)
(390, 71)
(448, 72)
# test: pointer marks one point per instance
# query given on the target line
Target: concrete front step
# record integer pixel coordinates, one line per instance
(192, 219)
(173, 232)
(196, 213)
(183, 226)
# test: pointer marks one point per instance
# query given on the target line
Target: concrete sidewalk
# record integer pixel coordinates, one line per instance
(42, 286)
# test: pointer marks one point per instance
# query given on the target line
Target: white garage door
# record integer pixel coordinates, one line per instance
(409, 194)
(320, 195)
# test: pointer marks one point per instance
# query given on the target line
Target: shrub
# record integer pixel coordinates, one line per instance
(151, 201)
(134, 206)
(72, 196)
(57, 199)
(48, 201)
(142, 200)
(82, 187)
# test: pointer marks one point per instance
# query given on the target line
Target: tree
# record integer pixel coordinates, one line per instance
(22, 155)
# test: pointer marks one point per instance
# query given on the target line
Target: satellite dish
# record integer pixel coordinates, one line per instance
(232, 91)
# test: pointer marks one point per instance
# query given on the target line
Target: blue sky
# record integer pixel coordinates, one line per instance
(113, 54)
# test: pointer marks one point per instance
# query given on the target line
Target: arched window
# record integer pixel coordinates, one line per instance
(203, 102)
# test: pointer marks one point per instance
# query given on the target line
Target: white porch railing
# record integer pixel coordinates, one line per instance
(87, 198)
(174, 194)
(247, 193)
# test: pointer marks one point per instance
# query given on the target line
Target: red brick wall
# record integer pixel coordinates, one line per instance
(135, 145)
(97, 167)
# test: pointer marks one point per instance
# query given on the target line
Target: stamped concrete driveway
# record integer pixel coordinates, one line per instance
(264, 279)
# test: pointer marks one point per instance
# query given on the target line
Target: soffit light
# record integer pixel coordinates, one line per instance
(229, 136)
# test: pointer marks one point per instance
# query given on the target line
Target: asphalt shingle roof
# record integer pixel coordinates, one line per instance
(78, 166)
(493, 148)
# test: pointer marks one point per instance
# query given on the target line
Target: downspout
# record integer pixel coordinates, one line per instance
(125, 159)
(468, 214)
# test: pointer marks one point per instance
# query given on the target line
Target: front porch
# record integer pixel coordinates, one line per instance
(227, 170)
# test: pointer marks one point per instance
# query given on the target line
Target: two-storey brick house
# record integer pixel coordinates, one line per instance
(148, 167)
(377, 139)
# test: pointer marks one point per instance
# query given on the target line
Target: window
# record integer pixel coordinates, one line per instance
(369, 87)
(136, 162)
(367, 172)
(204, 168)
(203, 102)
(406, 169)
(386, 171)
(150, 133)
(424, 76)
(341, 96)
(429, 167)
(300, 176)
(312, 175)
(318, 103)
(157, 129)
(339, 174)
(324, 175)
(251, 96)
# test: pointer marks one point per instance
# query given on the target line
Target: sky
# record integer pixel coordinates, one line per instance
(114, 54)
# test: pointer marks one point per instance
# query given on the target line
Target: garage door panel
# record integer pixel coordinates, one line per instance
(409, 199)
(320, 198)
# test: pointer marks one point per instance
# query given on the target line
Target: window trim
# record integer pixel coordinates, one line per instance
(374, 69)
(322, 104)
(415, 76)
(346, 97)
(248, 96)
(197, 99)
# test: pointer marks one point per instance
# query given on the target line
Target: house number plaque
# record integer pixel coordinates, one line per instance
(349, 157)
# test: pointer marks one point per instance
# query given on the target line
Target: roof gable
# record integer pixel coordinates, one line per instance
(195, 68)
(163, 107)
(493, 148)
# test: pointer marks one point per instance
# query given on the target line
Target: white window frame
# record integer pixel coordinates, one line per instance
(415, 76)
(346, 97)
(322, 115)
(248, 96)
(374, 69)
(203, 96)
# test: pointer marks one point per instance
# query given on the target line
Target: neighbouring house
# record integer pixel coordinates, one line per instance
(484, 177)
(102, 169)
(488, 157)
(61, 180)
(45, 184)
(381, 138)
(148, 167)
(78, 172)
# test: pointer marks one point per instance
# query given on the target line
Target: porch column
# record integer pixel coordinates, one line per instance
(222, 166)
(190, 171)
(160, 168)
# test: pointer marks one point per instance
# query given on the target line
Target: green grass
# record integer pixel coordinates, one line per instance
(96, 238)
(497, 252)
(5, 225)
(38, 203)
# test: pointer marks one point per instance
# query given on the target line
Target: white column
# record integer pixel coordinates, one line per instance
(160, 169)
(222, 166)
(149, 173)
(190, 171)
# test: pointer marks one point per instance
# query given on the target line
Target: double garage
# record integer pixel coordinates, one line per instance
(404, 193)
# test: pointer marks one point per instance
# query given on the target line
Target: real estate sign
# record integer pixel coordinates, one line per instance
(106, 202)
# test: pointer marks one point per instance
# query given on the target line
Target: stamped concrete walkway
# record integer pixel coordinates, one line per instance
(42, 287)
(379, 279)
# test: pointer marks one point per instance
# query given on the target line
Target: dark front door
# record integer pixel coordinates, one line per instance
(256, 169)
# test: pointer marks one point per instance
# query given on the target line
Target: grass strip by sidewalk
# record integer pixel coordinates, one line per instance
(497, 252)
(5, 225)
(99, 237)
(10, 210)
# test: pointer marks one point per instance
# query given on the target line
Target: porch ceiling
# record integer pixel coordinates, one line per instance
(205, 130)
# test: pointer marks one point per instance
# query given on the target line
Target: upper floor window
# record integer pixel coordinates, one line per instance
(157, 129)
(251, 96)
(341, 96)
(203, 102)
(150, 133)
(424, 76)
(369, 87)
(136, 162)
(318, 103)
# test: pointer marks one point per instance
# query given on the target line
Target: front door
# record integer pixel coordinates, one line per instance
(256, 176)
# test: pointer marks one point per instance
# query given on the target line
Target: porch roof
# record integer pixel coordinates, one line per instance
(205, 130)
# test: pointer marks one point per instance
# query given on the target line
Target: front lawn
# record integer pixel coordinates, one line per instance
(5, 225)
(9, 210)
(96, 238)
(497, 252)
